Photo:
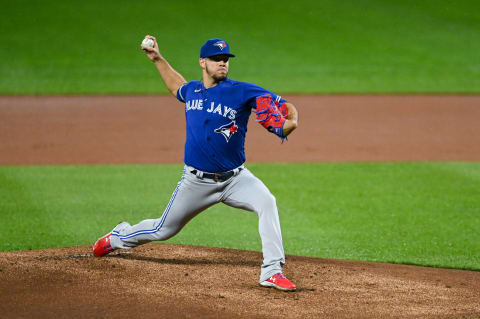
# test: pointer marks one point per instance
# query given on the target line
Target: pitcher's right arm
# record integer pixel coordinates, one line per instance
(172, 79)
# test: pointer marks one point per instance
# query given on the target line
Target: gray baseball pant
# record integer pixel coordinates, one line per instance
(193, 195)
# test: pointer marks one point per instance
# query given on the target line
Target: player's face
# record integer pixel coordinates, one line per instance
(217, 67)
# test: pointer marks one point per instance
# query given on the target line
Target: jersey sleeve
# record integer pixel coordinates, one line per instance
(252, 91)
(181, 93)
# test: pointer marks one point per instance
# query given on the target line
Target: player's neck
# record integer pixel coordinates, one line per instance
(209, 82)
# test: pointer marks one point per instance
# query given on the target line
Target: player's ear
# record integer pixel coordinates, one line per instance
(202, 62)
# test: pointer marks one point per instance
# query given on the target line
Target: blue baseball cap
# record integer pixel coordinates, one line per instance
(215, 47)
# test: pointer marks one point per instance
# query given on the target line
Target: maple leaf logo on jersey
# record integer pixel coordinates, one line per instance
(227, 130)
(220, 44)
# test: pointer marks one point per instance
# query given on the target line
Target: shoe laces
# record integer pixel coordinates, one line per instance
(281, 276)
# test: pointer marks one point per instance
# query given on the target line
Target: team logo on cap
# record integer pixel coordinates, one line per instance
(227, 130)
(220, 44)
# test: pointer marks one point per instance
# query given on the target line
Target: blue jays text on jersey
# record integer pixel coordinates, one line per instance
(213, 108)
(216, 122)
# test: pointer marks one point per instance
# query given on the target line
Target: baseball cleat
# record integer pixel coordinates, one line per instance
(102, 246)
(280, 282)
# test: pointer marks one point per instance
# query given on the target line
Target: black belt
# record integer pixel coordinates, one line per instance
(218, 177)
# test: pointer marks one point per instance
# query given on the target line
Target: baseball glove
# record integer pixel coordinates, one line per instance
(269, 115)
(282, 107)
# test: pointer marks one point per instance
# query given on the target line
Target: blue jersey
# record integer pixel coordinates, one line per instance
(216, 122)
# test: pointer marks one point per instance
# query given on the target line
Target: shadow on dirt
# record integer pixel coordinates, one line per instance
(188, 261)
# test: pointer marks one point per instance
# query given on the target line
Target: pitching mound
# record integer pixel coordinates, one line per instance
(172, 281)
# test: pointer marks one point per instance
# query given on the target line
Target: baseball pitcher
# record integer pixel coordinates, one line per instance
(217, 110)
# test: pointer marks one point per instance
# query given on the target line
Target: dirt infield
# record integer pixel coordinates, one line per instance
(175, 281)
(88, 130)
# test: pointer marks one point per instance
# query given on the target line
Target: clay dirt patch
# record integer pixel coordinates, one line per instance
(151, 129)
(172, 281)
(175, 281)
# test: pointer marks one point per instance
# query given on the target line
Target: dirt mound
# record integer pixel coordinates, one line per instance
(176, 281)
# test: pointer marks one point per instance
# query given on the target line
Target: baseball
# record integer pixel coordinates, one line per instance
(147, 43)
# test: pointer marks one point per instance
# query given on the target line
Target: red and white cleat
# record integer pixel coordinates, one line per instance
(102, 246)
(279, 281)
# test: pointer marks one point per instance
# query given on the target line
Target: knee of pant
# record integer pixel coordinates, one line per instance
(268, 203)
(164, 234)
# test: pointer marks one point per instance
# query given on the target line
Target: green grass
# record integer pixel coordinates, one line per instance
(328, 46)
(412, 213)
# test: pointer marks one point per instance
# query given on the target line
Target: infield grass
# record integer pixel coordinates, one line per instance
(411, 213)
(303, 46)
